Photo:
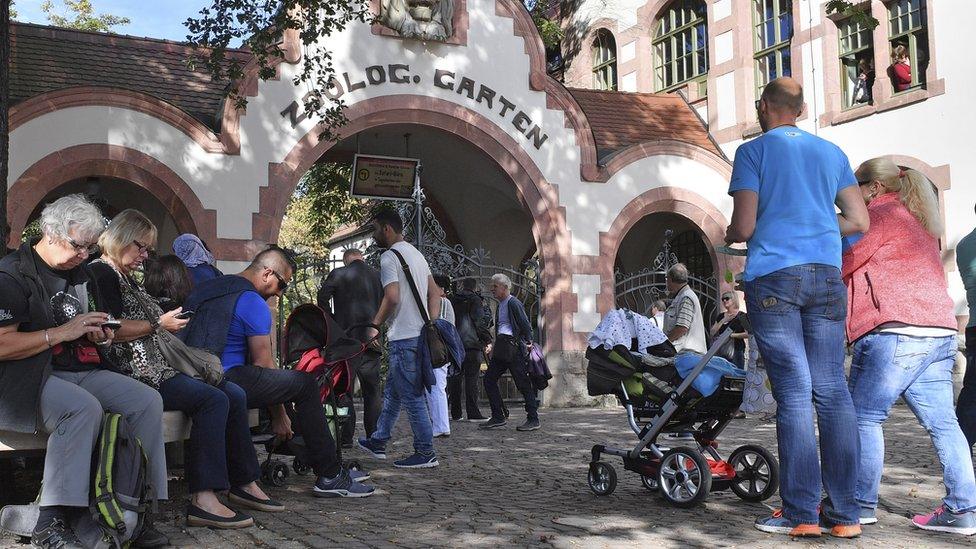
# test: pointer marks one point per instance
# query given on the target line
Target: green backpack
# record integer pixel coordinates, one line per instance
(121, 490)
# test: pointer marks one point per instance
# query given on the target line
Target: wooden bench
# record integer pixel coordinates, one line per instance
(176, 427)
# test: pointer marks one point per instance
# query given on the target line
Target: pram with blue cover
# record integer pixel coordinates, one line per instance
(684, 464)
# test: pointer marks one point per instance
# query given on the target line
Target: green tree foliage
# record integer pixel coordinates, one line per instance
(855, 11)
(13, 12)
(545, 16)
(321, 204)
(81, 15)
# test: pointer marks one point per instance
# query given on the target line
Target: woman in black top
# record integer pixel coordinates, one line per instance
(736, 352)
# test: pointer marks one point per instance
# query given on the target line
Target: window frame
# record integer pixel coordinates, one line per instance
(777, 47)
(860, 31)
(912, 36)
(604, 39)
(674, 37)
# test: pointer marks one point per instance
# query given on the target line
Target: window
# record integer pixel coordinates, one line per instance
(909, 44)
(856, 62)
(773, 20)
(604, 61)
(680, 46)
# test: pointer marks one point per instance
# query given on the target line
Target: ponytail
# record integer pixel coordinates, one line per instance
(914, 190)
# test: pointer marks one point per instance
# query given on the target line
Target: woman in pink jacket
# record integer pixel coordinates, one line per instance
(903, 335)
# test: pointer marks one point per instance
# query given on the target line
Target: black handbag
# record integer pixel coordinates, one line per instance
(440, 354)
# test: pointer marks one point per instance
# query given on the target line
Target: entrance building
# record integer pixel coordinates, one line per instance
(586, 186)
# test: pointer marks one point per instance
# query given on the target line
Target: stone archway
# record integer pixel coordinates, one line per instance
(538, 197)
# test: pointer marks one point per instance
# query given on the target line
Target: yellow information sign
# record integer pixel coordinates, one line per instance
(386, 177)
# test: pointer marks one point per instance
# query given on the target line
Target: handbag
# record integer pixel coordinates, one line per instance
(436, 346)
(192, 361)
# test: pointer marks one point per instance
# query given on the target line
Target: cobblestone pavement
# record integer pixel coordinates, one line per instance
(509, 489)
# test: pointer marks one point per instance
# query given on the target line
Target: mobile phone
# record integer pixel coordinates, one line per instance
(184, 315)
(112, 324)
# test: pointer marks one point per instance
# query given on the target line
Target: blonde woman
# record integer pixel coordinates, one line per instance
(220, 453)
(903, 334)
(735, 350)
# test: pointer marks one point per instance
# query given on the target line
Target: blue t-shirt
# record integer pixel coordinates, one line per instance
(252, 317)
(797, 176)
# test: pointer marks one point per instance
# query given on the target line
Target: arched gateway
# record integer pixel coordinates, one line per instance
(100, 113)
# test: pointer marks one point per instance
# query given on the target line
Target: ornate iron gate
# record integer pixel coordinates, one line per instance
(639, 290)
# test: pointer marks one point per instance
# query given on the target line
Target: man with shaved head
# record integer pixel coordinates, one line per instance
(785, 186)
(232, 320)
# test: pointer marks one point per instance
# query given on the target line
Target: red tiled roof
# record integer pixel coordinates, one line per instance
(622, 119)
(47, 58)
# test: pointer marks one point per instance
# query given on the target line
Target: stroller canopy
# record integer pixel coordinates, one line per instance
(310, 327)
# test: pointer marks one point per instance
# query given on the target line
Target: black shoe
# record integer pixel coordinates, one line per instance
(150, 537)
(242, 498)
(196, 516)
(493, 423)
(529, 425)
(478, 417)
(57, 535)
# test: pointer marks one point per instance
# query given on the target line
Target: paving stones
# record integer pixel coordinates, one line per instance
(503, 488)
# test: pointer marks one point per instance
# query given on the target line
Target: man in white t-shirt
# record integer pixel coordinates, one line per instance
(399, 308)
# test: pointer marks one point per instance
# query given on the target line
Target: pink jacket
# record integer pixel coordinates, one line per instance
(894, 273)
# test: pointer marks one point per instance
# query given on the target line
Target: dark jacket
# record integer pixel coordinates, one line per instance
(21, 381)
(356, 292)
(468, 317)
(202, 273)
(213, 303)
(521, 329)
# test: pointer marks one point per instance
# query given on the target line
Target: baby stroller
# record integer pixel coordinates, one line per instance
(314, 343)
(684, 464)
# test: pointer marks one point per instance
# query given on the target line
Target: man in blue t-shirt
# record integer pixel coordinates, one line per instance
(785, 186)
(232, 319)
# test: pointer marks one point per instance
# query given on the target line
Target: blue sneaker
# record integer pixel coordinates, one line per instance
(372, 448)
(357, 475)
(778, 524)
(342, 486)
(944, 520)
(417, 461)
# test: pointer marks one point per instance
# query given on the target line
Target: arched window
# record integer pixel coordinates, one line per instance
(773, 20)
(604, 61)
(680, 45)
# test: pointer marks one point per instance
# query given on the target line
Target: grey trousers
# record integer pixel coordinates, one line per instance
(72, 404)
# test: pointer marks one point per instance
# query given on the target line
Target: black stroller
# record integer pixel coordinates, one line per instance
(686, 465)
(314, 343)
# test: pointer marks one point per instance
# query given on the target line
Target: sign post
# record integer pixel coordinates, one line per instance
(385, 177)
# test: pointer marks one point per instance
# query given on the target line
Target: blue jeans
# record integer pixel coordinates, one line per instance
(798, 316)
(888, 366)
(220, 454)
(399, 392)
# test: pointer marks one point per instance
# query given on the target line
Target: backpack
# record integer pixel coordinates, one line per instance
(121, 493)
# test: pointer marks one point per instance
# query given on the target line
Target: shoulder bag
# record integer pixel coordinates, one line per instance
(439, 353)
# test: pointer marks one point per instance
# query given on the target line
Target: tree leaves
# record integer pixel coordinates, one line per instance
(84, 17)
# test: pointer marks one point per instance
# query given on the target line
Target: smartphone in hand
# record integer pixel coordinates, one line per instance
(111, 324)
(184, 315)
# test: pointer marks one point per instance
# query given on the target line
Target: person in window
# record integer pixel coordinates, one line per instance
(167, 279)
(52, 382)
(865, 82)
(903, 333)
(735, 350)
(220, 454)
(900, 70)
(197, 257)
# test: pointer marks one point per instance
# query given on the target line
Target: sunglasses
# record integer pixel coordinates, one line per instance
(863, 183)
(757, 103)
(726, 298)
(87, 249)
(282, 284)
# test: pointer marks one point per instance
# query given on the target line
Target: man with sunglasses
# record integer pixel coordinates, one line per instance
(232, 320)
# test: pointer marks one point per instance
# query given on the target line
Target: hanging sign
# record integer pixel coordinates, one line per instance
(385, 177)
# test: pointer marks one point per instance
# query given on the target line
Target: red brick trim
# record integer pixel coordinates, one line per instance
(86, 96)
(537, 195)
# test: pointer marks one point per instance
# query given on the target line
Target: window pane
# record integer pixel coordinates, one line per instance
(785, 62)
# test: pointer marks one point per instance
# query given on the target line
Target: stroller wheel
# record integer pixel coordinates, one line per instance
(602, 478)
(756, 473)
(300, 467)
(650, 483)
(685, 477)
(274, 473)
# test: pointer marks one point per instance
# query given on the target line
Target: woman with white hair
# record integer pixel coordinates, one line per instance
(510, 353)
(51, 377)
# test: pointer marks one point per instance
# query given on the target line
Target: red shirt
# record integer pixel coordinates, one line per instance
(901, 75)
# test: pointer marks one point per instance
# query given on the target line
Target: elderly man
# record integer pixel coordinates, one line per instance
(45, 385)
(785, 186)
(683, 321)
(510, 353)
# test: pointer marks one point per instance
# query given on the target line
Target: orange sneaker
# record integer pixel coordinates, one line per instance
(846, 531)
(778, 524)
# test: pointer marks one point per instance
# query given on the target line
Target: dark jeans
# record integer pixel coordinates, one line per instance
(266, 387)
(466, 382)
(966, 405)
(520, 375)
(368, 373)
(798, 316)
(220, 454)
